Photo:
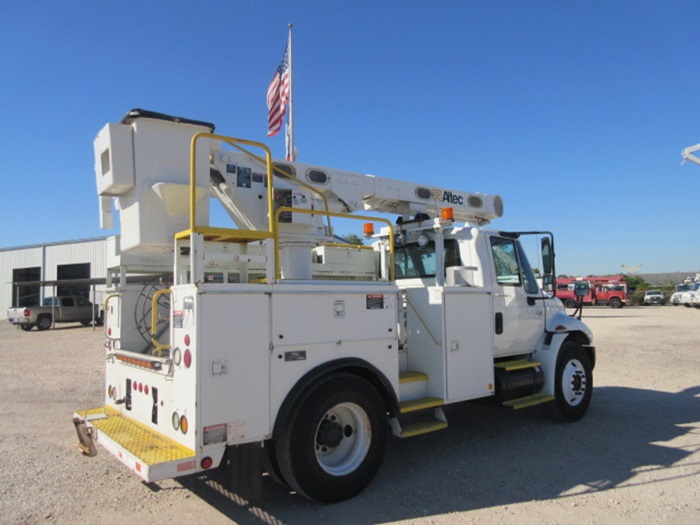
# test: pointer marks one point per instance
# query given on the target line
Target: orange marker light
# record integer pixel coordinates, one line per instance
(369, 229)
(447, 214)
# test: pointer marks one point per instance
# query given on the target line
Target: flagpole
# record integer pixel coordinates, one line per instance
(292, 151)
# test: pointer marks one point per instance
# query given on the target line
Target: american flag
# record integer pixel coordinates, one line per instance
(278, 96)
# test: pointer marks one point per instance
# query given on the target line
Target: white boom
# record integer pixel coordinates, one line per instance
(152, 193)
(687, 154)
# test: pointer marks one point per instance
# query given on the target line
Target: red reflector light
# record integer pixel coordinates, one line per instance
(187, 358)
(187, 340)
(145, 389)
(109, 331)
(207, 462)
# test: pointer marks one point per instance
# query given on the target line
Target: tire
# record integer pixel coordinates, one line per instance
(615, 303)
(333, 443)
(86, 323)
(26, 327)
(573, 383)
(43, 322)
(570, 303)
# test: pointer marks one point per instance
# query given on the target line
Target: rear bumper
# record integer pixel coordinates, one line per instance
(150, 455)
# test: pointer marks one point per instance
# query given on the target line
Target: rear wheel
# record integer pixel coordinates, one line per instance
(573, 383)
(44, 322)
(570, 303)
(335, 438)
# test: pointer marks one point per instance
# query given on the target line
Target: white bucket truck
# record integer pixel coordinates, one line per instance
(272, 347)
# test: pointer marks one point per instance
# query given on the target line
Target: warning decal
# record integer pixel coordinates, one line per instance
(375, 301)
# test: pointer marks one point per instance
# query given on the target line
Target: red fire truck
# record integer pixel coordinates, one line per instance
(610, 290)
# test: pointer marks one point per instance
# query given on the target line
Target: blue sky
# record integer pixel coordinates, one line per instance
(574, 112)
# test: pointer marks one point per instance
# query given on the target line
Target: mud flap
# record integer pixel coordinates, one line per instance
(86, 445)
(244, 471)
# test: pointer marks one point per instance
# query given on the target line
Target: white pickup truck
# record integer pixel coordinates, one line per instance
(62, 309)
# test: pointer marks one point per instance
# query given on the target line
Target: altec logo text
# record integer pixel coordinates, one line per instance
(452, 198)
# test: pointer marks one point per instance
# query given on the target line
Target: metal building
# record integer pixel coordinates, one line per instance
(70, 261)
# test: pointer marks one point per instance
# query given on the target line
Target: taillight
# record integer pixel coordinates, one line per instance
(26, 312)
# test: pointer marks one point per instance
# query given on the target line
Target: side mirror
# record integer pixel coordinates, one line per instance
(548, 270)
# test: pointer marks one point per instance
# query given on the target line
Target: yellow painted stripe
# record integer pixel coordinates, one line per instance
(410, 377)
(420, 404)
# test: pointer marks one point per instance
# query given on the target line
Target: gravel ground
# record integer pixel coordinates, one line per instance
(634, 458)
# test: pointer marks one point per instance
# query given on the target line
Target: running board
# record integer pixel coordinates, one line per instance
(520, 364)
(528, 401)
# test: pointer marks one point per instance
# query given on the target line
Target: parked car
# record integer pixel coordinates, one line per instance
(654, 297)
(63, 309)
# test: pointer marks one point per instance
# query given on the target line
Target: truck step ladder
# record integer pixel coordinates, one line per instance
(420, 413)
(528, 401)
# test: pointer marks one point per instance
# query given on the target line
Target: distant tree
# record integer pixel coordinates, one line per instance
(635, 282)
(354, 239)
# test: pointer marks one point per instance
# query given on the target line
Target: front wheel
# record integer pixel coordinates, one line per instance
(615, 303)
(26, 327)
(334, 441)
(573, 383)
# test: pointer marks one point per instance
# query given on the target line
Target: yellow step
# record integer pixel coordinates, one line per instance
(528, 401)
(422, 427)
(517, 365)
(411, 377)
(420, 404)
(149, 446)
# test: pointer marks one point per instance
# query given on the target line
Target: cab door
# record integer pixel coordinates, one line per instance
(519, 318)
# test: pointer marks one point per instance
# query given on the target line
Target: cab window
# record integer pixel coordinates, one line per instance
(413, 260)
(512, 267)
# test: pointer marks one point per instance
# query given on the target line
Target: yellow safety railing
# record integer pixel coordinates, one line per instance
(286, 209)
(233, 234)
(236, 143)
(230, 233)
(107, 299)
(154, 322)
